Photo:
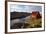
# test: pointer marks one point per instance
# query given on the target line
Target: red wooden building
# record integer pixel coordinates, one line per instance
(36, 14)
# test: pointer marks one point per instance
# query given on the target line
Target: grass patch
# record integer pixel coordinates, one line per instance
(33, 23)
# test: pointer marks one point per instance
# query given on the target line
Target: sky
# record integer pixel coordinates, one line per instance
(25, 8)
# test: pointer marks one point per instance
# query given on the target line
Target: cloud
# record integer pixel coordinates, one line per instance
(25, 8)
